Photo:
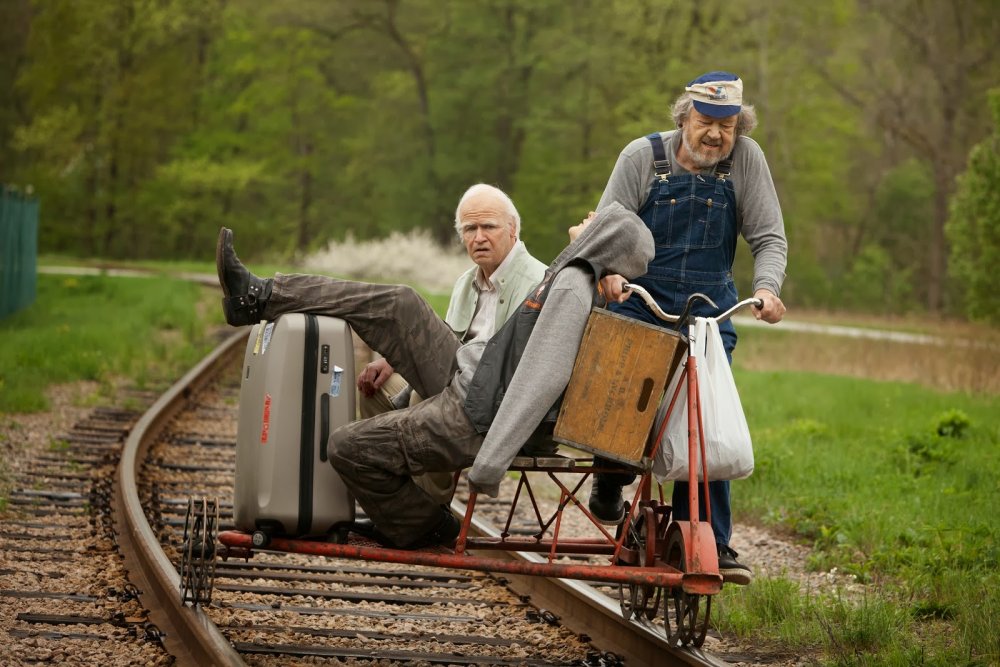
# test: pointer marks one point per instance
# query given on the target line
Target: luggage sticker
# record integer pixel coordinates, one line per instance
(266, 421)
(256, 344)
(268, 330)
(338, 373)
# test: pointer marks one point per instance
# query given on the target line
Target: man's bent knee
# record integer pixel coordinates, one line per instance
(341, 445)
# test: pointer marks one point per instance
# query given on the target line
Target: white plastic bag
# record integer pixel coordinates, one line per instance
(728, 449)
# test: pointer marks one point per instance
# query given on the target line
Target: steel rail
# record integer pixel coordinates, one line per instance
(190, 636)
(586, 611)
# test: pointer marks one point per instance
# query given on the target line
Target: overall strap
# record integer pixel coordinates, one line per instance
(661, 165)
(722, 171)
(724, 167)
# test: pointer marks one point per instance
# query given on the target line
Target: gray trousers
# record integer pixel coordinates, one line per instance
(439, 485)
(378, 457)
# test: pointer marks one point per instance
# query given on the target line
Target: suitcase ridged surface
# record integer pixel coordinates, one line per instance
(297, 387)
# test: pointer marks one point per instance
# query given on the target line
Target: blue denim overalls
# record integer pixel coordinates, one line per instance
(693, 221)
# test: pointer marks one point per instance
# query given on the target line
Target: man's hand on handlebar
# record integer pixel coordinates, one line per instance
(612, 286)
(773, 309)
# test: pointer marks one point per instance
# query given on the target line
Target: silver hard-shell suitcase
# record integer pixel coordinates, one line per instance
(297, 387)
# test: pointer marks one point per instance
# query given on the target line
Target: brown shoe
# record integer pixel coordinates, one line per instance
(246, 295)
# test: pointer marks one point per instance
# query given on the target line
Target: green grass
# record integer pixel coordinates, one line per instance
(896, 484)
(98, 328)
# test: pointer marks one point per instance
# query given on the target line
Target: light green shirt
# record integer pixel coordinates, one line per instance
(520, 273)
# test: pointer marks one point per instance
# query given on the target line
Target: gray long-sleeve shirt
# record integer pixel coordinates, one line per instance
(758, 213)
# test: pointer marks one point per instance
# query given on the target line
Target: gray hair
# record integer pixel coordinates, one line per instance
(746, 121)
(483, 188)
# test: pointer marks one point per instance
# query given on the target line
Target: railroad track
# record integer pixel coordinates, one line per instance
(279, 609)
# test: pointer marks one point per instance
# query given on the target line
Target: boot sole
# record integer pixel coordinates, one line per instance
(610, 522)
(736, 576)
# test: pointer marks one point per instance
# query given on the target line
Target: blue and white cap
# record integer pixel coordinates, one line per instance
(717, 94)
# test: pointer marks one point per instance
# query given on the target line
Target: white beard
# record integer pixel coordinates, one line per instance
(697, 157)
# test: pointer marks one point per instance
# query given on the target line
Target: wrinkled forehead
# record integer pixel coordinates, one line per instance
(484, 207)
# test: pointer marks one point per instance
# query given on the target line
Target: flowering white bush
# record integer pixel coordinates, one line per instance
(413, 259)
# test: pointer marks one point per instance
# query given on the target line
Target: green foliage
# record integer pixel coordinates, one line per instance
(57, 445)
(874, 284)
(979, 608)
(774, 604)
(952, 424)
(855, 632)
(144, 126)
(974, 225)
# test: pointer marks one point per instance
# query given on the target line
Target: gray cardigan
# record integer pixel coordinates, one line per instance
(617, 241)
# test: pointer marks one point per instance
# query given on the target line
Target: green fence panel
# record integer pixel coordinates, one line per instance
(18, 250)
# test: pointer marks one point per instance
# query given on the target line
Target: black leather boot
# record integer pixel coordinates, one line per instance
(606, 502)
(733, 571)
(246, 295)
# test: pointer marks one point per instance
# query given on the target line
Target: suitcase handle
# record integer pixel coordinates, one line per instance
(324, 424)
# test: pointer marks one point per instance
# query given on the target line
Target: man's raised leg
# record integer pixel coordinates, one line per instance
(392, 319)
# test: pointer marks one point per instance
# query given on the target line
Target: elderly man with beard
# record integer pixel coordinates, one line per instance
(698, 188)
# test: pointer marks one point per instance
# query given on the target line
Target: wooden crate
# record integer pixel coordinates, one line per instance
(620, 373)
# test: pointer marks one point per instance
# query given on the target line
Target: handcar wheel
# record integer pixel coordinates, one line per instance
(691, 618)
(628, 593)
(198, 551)
(636, 599)
(647, 598)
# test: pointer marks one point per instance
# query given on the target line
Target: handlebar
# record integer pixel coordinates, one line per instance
(666, 317)
(752, 301)
(651, 302)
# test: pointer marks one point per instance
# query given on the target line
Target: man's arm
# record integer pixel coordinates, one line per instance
(762, 224)
(626, 184)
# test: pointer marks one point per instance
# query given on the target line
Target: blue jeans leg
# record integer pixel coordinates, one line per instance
(722, 515)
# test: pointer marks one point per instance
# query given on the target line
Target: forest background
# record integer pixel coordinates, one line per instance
(144, 125)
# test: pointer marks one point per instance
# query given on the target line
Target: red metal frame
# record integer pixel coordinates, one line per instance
(700, 572)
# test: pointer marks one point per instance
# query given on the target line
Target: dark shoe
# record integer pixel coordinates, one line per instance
(606, 502)
(444, 533)
(246, 295)
(366, 528)
(732, 571)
